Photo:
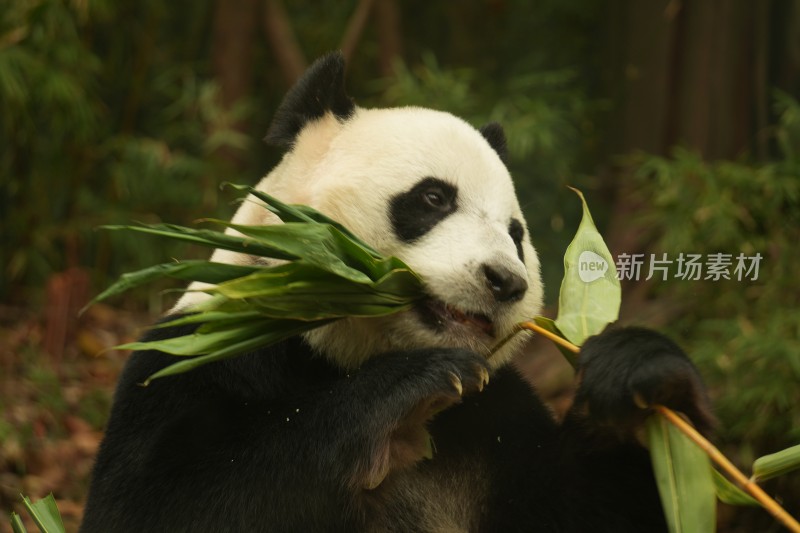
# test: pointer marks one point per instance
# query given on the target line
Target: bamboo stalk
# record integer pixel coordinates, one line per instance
(713, 453)
(550, 335)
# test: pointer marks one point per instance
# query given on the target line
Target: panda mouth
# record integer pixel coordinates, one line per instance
(440, 315)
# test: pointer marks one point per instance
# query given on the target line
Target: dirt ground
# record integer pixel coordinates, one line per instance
(54, 403)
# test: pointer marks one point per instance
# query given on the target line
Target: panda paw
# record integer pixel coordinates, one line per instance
(452, 374)
(624, 371)
(422, 383)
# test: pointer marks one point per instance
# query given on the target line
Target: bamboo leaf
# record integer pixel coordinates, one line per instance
(302, 213)
(729, 493)
(272, 332)
(209, 238)
(301, 291)
(316, 244)
(204, 271)
(331, 275)
(211, 317)
(17, 526)
(590, 292)
(777, 464)
(45, 514)
(684, 478)
(199, 342)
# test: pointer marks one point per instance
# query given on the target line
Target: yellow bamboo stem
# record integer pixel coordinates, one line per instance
(550, 335)
(713, 453)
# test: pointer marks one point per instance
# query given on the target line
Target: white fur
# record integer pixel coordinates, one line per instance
(350, 170)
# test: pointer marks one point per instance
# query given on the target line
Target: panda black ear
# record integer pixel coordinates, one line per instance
(318, 91)
(494, 134)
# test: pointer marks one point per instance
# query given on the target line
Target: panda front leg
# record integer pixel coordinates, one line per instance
(622, 373)
(381, 410)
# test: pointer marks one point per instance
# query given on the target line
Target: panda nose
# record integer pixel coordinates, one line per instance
(504, 284)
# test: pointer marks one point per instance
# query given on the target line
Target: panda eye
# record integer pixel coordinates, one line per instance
(418, 210)
(434, 197)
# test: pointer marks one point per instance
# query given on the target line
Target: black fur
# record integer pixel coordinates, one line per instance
(320, 90)
(622, 364)
(280, 441)
(494, 134)
(415, 212)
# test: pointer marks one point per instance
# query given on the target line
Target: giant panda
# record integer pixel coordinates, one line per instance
(396, 424)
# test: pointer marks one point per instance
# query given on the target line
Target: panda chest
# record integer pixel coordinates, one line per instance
(442, 495)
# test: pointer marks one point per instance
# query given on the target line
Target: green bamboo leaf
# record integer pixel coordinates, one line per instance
(45, 514)
(304, 301)
(209, 238)
(317, 244)
(272, 332)
(590, 292)
(729, 493)
(318, 217)
(286, 212)
(199, 343)
(331, 274)
(402, 283)
(777, 464)
(204, 271)
(302, 213)
(17, 526)
(684, 478)
(292, 278)
(212, 317)
(359, 257)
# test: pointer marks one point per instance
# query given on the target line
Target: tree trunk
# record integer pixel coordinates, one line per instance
(388, 24)
(685, 73)
(280, 34)
(232, 50)
(232, 59)
(355, 28)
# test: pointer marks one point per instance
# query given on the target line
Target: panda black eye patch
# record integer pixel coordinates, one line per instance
(517, 232)
(417, 211)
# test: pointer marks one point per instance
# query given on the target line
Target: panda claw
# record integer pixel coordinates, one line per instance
(456, 382)
(484, 378)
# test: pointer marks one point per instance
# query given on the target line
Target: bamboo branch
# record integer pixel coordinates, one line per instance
(561, 341)
(713, 453)
(747, 484)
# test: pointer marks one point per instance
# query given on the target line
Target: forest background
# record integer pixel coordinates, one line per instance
(679, 121)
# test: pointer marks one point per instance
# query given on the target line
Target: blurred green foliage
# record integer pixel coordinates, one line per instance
(744, 334)
(98, 126)
(110, 115)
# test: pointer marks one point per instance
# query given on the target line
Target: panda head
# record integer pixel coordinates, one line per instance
(418, 184)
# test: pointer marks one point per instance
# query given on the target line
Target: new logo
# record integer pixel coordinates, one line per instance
(591, 266)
